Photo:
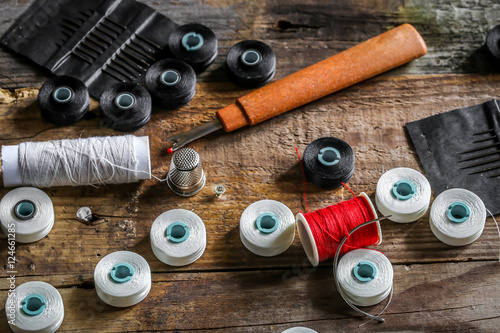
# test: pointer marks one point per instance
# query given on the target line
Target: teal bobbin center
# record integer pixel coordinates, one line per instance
(122, 272)
(177, 232)
(125, 101)
(62, 94)
(329, 156)
(25, 209)
(365, 271)
(33, 305)
(267, 223)
(458, 212)
(192, 41)
(170, 77)
(403, 189)
(251, 57)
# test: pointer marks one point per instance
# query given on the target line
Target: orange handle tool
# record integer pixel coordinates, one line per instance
(363, 61)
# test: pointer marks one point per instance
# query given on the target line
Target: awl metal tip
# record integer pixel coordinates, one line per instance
(182, 139)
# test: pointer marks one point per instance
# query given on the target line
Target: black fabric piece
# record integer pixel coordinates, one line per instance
(200, 58)
(175, 95)
(328, 176)
(493, 43)
(63, 112)
(251, 75)
(128, 117)
(100, 42)
(440, 141)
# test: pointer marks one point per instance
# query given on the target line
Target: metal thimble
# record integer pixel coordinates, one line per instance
(186, 176)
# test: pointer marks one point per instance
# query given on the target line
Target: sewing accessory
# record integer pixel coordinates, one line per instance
(370, 58)
(321, 231)
(122, 278)
(63, 100)
(28, 212)
(251, 63)
(267, 228)
(171, 82)
(35, 307)
(219, 190)
(299, 330)
(195, 44)
(457, 217)
(92, 161)
(125, 107)
(328, 162)
(186, 176)
(486, 140)
(492, 43)
(404, 194)
(178, 237)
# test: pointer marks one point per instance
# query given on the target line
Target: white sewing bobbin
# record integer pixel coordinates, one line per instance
(178, 237)
(404, 194)
(365, 277)
(122, 278)
(267, 228)
(299, 330)
(28, 212)
(457, 217)
(36, 307)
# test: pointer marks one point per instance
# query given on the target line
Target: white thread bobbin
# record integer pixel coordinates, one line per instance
(365, 276)
(404, 194)
(267, 228)
(457, 217)
(178, 237)
(299, 330)
(122, 278)
(35, 307)
(91, 161)
(28, 212)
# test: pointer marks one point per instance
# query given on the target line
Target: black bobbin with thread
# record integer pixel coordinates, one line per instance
(251, 63)
(328, 162)
(195, 44)
(63, 100)
(493, 44)
(171, 82)
(125, 106)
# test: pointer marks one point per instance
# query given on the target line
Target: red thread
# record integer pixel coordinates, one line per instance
(331, 224)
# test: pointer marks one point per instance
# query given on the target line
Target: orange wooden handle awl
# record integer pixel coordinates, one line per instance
(363, 61)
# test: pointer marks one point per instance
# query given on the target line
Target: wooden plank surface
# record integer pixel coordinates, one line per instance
(229, 289)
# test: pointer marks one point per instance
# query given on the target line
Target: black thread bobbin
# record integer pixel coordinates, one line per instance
(171, 82)
(493, 43)
(251, 63)
(328, 162)
(125, 106)
(63, 100)
(195, 44)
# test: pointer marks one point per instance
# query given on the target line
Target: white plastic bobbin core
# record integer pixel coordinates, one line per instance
(404, 194)
(122, 278)
(307, 237)
(457, 217)
(36, 307)
(299, 330)
(267, 228)
(365, 276)
(28, 212)
(178, 237)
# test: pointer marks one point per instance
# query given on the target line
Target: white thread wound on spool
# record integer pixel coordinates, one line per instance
(176, 251)
(48, 321)
(453, 233)
(39, 214)
(91, 161)
(370, 292)
(403, 211)
(267, 244)
(127, 293)
(299, 330)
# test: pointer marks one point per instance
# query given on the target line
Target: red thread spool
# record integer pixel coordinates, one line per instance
(321, 231)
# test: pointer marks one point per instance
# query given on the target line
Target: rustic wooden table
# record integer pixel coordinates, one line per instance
(436, 287)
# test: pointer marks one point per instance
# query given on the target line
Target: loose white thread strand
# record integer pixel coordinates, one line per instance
(498, 229)
(48, 321)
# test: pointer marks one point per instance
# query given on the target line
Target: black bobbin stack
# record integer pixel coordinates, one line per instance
(328, 162)
(493, 43)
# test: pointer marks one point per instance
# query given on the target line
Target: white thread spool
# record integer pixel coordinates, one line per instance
(35, 307)
(365, 276)
(403, 193)
(457, 217)
(178, 237)
(28, 212)
(267, 228)
(122, 278)
(91, 161)
(299, 330)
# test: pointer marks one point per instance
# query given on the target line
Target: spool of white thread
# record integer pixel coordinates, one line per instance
(28, 212)
(403, 193)
(457, 217)
(267, 228)
(91, 161)
(178, 237)
(35, 307)
(122, 279)
(299, 330)
(365, 277)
